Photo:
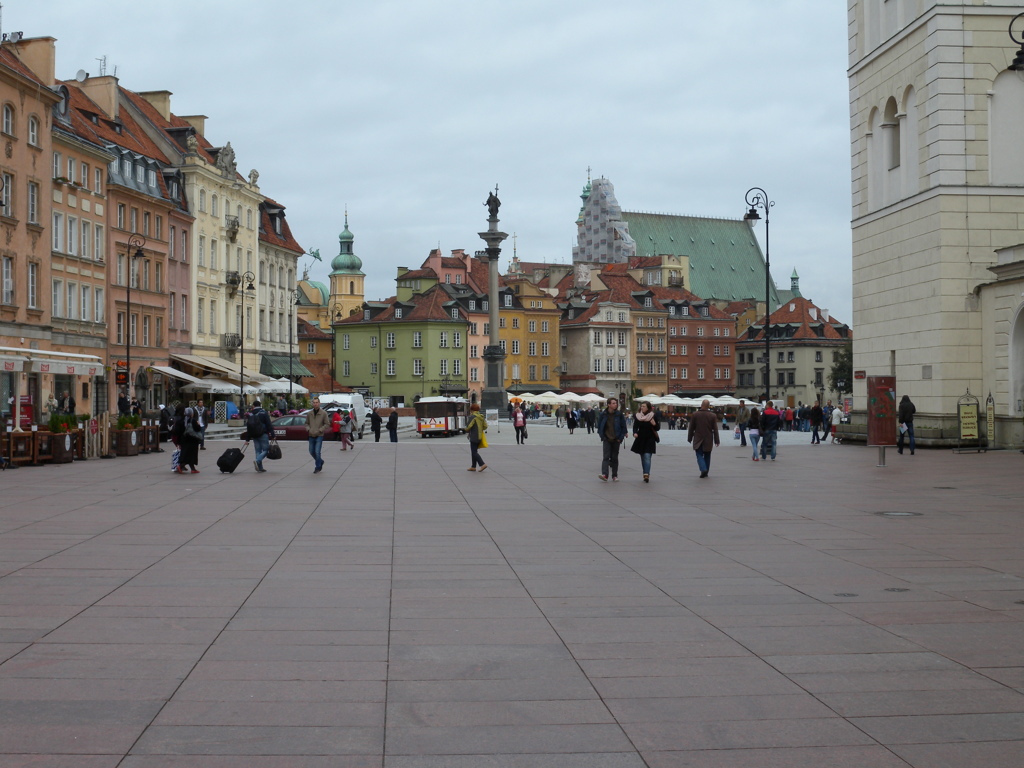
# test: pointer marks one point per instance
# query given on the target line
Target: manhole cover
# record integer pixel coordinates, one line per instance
(899, 514)
(845, 594)
(896, 589)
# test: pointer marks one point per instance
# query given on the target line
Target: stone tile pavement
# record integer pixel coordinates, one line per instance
(399, 611)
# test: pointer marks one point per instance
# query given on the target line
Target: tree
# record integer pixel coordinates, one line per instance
(842, 370)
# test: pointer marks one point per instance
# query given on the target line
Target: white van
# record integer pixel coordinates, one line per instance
(350, 402)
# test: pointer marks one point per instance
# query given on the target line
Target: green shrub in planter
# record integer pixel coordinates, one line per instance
(129, 422)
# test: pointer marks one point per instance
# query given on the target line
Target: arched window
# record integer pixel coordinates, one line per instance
(352, 286)
(248, 218)
(213, 205)
(238, 213)
(202, 200)
(1006, 115)
(33, 131)
(891, 131)
(8, 120)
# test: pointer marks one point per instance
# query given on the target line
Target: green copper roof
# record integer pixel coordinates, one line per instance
(346, 262)
(725, 258)
(325, 294)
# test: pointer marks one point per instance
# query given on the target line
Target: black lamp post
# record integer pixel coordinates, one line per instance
(758, 198)
(136, 243)
(1018, 60)
(247, 285)
(336, 315)
(296, 298)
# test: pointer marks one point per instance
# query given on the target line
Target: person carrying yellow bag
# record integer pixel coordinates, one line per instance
(476, 432)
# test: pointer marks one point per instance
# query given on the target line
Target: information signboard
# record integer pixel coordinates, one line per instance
(881, 411)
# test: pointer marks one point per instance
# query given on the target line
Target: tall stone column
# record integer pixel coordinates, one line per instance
(494, 357)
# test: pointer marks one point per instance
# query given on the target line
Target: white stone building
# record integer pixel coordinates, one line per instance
(938, 206)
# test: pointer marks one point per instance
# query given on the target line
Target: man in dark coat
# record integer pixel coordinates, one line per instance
(393, 425)
(375, 422)
(703, 435)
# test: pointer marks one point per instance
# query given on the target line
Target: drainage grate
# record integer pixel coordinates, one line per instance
(845, 594)
(896, 589)
(899, 514)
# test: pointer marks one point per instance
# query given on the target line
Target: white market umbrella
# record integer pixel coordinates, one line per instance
(572, 397)
(728, 400)
(672, 400)
(549, 398)
(592, 397)
(213, 385)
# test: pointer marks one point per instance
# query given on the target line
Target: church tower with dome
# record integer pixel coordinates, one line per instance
(347, 277)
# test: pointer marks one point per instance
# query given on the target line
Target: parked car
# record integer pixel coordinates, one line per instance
(291, 427)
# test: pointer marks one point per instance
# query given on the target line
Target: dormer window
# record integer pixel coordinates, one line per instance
(672, 311)
(472, 305)
(398, 313)
(485, 303)
(685, 311)
(455, 313)
(648, 302)
(508, 299)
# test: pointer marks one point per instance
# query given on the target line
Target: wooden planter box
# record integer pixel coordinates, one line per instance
(62, 447)
(126, 442)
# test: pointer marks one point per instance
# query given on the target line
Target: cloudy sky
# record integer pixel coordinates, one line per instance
(409, 111)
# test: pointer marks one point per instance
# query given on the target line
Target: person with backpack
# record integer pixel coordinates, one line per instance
(258, 430)
(475, 430)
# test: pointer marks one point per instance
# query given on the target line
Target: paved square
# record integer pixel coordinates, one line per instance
(399, 611)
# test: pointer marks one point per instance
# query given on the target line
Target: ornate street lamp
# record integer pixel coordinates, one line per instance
(336, 314)
(1018, 60)
(296, 298)
(758, 198)
(247, 285)
(136, 243)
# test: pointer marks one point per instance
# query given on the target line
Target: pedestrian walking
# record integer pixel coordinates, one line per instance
(476, 432)
(571, 420)
(702, 434)
(519, 424)
(837, 417)
(375, 422)
(612, 430)
(743, 422)
(317, 425)
(754, 430)
(645, 437)
(201, 417)
(559, 416)
(191, 436)
(816, 419)
(258, 430)
(392, 425)
(346, 428)
(771, 422)
(905, 415)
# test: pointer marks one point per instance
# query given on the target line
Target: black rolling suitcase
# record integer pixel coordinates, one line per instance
(230, 459)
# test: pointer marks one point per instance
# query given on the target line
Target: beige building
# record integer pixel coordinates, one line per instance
(938, 195)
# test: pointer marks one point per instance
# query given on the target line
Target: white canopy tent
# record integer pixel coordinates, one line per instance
(212, 385)
(275, 387)
(593, 397)
(550, 398)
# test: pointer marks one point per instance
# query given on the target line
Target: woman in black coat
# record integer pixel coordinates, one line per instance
(645, 436)
(190, 438)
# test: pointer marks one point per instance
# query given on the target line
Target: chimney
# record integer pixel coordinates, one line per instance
(103, 91)
(196, 121)
(813, 312)
(824, 315)
(160, 101)
(39, 54)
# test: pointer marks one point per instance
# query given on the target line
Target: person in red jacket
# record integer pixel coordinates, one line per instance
(771, 420)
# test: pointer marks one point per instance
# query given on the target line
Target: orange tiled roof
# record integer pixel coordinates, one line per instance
(796, 315)
(268, 235)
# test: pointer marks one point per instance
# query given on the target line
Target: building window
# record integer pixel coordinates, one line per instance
(33, 131)
(508, 299)
(443, 370)
(817, 356)
(455, 313)
(398, 313)
(345, 341)
(346, 368)
(98, 312)
(456, 339)
(391, 367)
(58, 232)
(33, 285)
(417, 338)
(120, 328)
(6, 207)
(597, 366)
(597, 337)
(72, 235)
(684, 373)
(389, 340)
(442, 339)
(545, 349)
(700, 373)
(515, 346)
(33, 203)
(310, 347)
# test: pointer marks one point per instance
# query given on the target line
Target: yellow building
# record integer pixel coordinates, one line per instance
(528, 319)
